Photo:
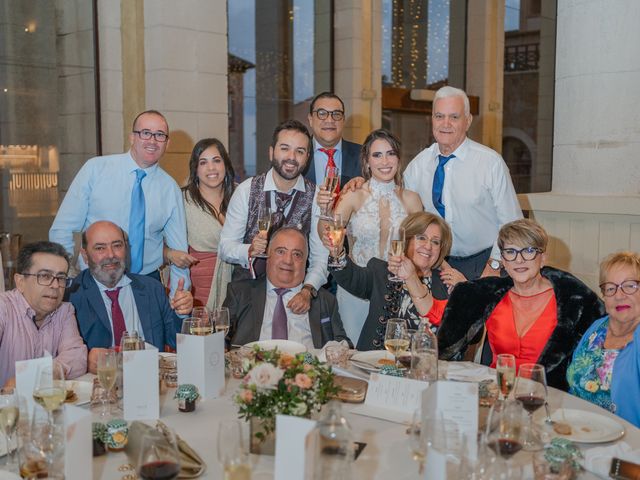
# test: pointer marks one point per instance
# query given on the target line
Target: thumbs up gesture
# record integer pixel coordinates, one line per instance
(182, 301)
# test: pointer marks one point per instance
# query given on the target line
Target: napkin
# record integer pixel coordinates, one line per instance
(467, 372)
(598, 460)
(191, 465)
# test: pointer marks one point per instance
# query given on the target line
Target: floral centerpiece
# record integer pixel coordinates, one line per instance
(279, 383)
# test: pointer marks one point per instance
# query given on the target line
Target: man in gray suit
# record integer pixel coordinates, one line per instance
(258, 307)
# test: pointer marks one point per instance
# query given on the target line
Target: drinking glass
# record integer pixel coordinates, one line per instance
(506, 374)
(330, 184)
(9, 416)
(42, 452)
(417, 440)
(531, 390)
(200, 312)
(264, 224)
(201, 325)
(222, 320)
(131, 341)
(159, 458)
(187, 325)
(543, 469)
(506, 425)
(424, 356)
(232, 453)
(107, 372)
(396, 338)
(396, 246)
(49, 391)
(336, 234)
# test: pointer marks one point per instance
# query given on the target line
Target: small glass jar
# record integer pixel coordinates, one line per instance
(187, 395)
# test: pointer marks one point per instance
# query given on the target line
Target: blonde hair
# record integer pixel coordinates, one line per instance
(524, 232)
(620, 259)
(417, 223)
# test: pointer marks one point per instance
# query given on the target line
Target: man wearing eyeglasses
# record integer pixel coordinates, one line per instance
(33, 319)
(326, 119)
(131, 190)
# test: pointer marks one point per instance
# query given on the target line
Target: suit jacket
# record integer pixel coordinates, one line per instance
(350, 164)
(246, 300)
(159, 322)
(472, 303)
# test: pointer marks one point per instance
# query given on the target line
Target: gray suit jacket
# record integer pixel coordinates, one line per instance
(246, 300)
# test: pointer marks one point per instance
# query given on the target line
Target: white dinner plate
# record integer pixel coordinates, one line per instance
(588, 427)
(368, 361)
(285, 346)
(82, 389)
(4, 475)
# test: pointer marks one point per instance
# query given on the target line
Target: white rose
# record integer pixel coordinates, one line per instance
(265, 375)
(299, 409)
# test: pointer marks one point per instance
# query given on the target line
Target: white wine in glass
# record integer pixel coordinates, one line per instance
(9, 415)
(330, 184)
(396, 338)
(505, 373)
(49, 391)
(336, 234)
(264, 224)
(107, 371)
(396, 246)
(222, 320)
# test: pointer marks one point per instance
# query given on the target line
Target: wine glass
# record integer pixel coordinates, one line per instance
(424, 356)
(417, 440)
(396, 337)
(42, 453)
(107, 372)
(531, 390)
(232, 453)
(159, 458)
(264, 224)
(200, 312)
(336, 234)
(330, 184)
(222, 320)
(131, 341)
(396, 239)
(187, 325)
(202, 325)
(506, 425)
(49, 391)
(9, 415)
(505, 373)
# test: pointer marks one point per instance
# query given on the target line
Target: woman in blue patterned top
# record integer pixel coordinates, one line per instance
(605, 369)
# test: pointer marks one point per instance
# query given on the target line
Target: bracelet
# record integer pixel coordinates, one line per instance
(423, 296)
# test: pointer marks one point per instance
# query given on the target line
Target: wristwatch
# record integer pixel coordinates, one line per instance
(311, 289)
(494, 264)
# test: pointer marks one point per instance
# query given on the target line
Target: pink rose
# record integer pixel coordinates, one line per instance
(246, 396)
(303, 381)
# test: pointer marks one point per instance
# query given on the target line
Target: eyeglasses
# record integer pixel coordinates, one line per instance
(147, 134)
(323, 114)
(609, 289)
(529, 253)
(46, 279)
(435, 242)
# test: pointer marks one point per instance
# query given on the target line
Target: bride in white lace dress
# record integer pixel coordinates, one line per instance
(370, 212)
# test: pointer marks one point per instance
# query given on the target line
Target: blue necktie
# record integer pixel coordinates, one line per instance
(438, 183)
(136, 223)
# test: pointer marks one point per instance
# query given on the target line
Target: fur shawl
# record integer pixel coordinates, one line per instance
(471, 304)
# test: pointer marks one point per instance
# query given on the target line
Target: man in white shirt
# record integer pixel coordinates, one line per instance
(466, 183)
(257, 307)
(291, 198)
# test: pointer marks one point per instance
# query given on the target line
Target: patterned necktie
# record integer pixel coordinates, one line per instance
(117, 318)
(438, 183)
(136, 223)
(282, 202)
(279, 329)
(331, 163)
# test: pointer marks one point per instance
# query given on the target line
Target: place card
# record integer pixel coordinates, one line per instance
(141, 399)
(26, 377)
(295, 448)
(201, 363)
(392, 398)
(78, 454)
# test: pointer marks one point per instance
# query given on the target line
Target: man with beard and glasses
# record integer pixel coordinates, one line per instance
(109, 301)
(291, 199)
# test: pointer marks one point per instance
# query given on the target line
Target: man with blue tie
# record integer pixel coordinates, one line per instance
(131, 190)
(326, 119)
(467, 184)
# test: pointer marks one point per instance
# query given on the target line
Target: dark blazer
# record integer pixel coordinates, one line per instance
(472, 303)
(371, 283)
(246, 300)
(350, 164)
(159, 322)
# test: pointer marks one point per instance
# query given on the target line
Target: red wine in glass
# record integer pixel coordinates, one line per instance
(160, 470)
(531, 403)
(505, 447)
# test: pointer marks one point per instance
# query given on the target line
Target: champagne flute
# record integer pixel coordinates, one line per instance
(505, 373)
(49, 391)
(531, 390)
(107, 372)
(131, 341)
(336, 234)
(9, 415)
(264, 224)
(396, 239)
(222, 320)
(506, 429)
(159, 458)
(232, 453)
(396, 337)
(330, 184)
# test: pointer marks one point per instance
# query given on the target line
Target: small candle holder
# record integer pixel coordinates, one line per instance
(187, 395)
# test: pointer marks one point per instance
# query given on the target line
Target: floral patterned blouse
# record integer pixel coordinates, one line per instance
(589, 374)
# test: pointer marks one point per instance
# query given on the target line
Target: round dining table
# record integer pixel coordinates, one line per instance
(386, 455)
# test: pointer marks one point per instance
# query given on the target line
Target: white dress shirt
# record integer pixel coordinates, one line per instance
(478, 194)
(127, 303)
(232, 250)
(297, 325)
(320, 159)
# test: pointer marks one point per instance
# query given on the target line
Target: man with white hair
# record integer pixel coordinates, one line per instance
(467, 184)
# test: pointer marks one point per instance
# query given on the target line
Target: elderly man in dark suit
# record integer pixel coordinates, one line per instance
(258, 307)
(109, 301)
(326, 119)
